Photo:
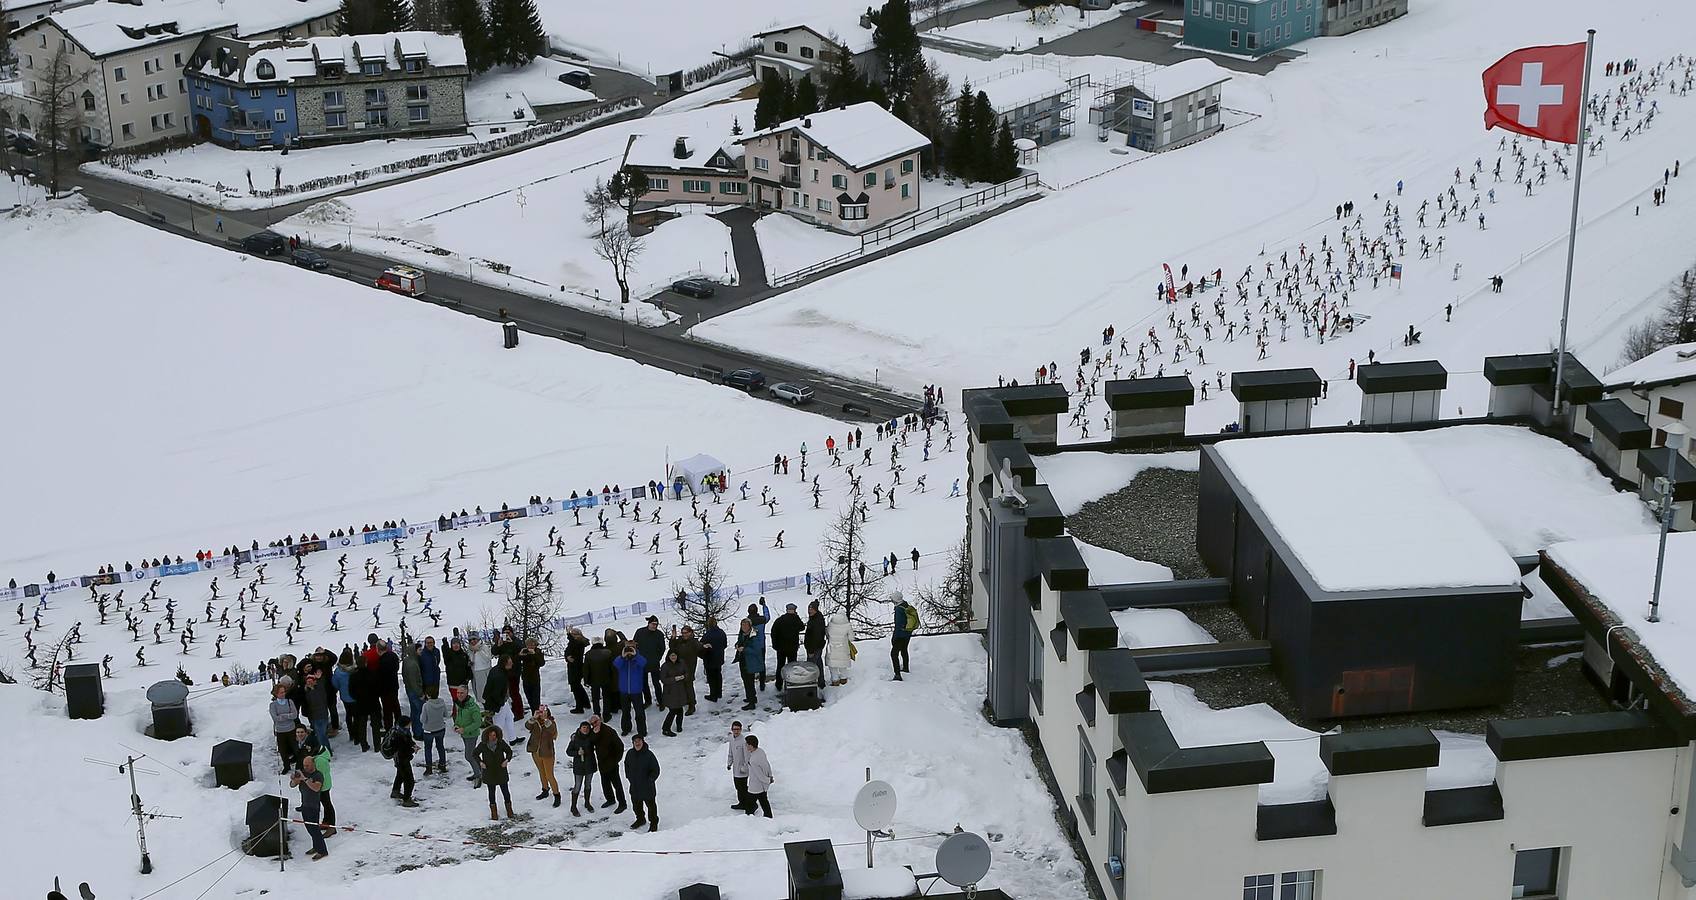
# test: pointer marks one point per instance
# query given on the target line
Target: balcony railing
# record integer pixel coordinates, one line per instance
(789, 157)
(790, 181)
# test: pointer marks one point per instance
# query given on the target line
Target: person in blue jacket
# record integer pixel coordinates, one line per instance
(713, 644)
(632, 669)
(430, 664)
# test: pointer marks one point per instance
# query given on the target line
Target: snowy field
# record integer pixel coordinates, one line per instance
(525, 211)
(1025, 30)
(445, 846)
(1341, 117)
(404, 411)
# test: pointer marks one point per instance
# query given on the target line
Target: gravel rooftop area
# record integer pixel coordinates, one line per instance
(1539, 689)
(1152, 519)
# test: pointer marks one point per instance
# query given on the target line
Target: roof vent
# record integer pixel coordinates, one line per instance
(807, 122)
(680, 149)
(1686, 354)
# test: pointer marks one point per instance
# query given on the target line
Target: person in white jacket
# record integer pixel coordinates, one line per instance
(759, 777)
(737, 764)
(838, 651)
(481, 662)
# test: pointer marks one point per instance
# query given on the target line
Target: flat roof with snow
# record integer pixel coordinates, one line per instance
(1186, 77)
(1619, 572)
(1021, 88)
(1364, 512)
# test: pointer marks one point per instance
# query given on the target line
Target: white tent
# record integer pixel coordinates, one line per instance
(695, 468)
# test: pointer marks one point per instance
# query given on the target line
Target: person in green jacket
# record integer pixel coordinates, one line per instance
(328, 819)
(468, 724)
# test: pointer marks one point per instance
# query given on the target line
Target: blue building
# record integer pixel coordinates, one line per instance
(1249, 27)
(238, 96)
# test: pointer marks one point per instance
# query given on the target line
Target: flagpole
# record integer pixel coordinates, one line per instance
(1572, 233)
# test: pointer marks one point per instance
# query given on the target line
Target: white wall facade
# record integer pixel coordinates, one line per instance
(819, 175)
(1649, 403)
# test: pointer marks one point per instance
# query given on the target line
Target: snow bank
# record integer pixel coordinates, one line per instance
(1077, 478)
(1140, 628)
(1112, 567)
(1298, 775)
(1530, 491)
(1364, 512)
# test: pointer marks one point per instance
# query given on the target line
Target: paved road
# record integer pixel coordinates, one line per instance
(664, 348)
(1120, 37)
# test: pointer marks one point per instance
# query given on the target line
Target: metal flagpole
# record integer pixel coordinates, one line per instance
(1572, 233)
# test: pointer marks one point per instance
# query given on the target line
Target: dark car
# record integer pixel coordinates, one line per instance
(23, 144)
(577, 78)
(309, 259)
(746, 379)
(699, 288)
(265, 243)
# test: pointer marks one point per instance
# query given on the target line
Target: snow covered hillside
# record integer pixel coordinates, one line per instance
(1347, 122)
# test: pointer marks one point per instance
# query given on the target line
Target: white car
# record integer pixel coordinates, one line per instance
(796, 394)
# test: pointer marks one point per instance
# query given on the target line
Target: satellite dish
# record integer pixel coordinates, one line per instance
(874, 806)
(963, 859)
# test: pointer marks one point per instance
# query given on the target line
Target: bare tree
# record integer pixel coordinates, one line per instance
(948, 604)
(597, 202)
(850, 585)
(702, 595)
(533, 606)
(1641, 340)
(48, 674)
(58, 125)
(620, 248)
(1678, 314)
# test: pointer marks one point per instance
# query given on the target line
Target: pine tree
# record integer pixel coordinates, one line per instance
(429, 15)
(843, 85)
(357, 17)
(391, 15)
(516, 35)
(984, 119)
(876, 94)
(1005, 157)
(922, 108)
(806, 101)
(897, 45)
(774, 102)
(963, 142)
(465, 18)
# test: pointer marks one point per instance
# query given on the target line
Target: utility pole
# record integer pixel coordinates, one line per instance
(140, 819)
(1664, 510)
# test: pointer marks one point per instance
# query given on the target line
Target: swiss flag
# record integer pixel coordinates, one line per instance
(1537, 91)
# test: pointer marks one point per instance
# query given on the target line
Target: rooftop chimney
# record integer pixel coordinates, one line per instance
(807, 122)
(680, 149)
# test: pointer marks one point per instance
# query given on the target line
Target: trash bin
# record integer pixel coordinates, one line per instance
(801, 685)
(170, 711)
(232, 763)
(85, 696)
(509, 331)
(813, 873)
(266, 836)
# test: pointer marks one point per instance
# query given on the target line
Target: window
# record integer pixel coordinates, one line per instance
(794, 198)
(824, 205)
(906, 167)
(252, 92)
(692, 186)
(761, 165)
(853, 211)
(378, 117)
(906, 190)
(1536, 873)
(154, 122)
(1036, 658)
(334, 100)
(1288, 886)
(806, 201)
(124, 99)
(371, 67)
(182, 86)
(780, 46)
(177, 60)
(1086, 779)
(815, 176)
(88, 106)
(376, 97)
(1253, 40)
(168, 122)
(335, 120)
(888, 178)
(418, 115)
(1195, 7)
(1115, 839)
(129, 131)
(659, 184)
(840, 182)
(1307, 23)
(282, 92)
(871, 179)
(414, 65)
(1672, 409)
(732, 187)
(1234, 41)
(417, 93)
(806, 53)
(279, 115)
(147, 67)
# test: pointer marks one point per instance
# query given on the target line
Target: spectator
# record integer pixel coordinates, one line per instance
(581, 750)
(760, 778)
(458, 664)
(642, 768)
(284, 716)
(493, 754)
(632, 668)
(737, 765)
(609, 749)
(906, 622)
(434, 715)
(650, 645)
(786, 639)
(674, 694)
(468, 724)
(310, 783)
(495, 699)
(576, 645)
(713, 644)
(749, 661)
(817, 637)
(481, 662)
(402, 747)
(602, 676)
(688, 651)
(543, 732)
(430, 666)
(530, 663)
(412, 676)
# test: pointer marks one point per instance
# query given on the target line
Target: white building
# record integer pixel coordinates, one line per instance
(129, 58)
(794, 51)
(1176, 716)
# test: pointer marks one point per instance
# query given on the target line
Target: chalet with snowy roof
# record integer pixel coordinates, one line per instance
(132, 53)
(1249, 659)
(1661, 387)
(681, 169)
(797, 50)
(849, 169)
(325, 89)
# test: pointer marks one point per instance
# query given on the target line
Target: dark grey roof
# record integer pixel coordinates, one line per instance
(1150, 393)
(1619, 423)
(1276, 384)
(1419, 375)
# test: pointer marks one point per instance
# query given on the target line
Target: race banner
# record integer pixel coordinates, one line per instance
(502, 515)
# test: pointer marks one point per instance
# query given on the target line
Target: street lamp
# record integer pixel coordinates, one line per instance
(1663, 507)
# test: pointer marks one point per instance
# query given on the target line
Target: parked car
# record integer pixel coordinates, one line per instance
(699, 288)
(23, 144)
(577, 78)
(402, 280)
(265, 243)
(793, 392)
(309, 259)
(746, 379)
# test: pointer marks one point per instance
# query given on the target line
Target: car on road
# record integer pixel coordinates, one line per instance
(699, 288)
(746, 379)
(402, 280)
(265, 243)
(23, 144)
(792, 392)
(577, 78)
(309, 259)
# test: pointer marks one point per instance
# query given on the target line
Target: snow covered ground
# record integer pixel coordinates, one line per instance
(1341, 117)
(271, 401)
(525, 211)
(443, 847)
(1026, 29)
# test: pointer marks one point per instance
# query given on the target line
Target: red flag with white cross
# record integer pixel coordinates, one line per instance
(1537, 91)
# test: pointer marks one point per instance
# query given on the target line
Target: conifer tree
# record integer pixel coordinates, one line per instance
(806, 100)
(843, 85)
(774, 102)
(984, 120)
(1005, 157)
(465, 18)
(516, 35)
(963, 142)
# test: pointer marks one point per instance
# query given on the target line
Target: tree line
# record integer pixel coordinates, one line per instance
(967, 138)
(509, 33)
